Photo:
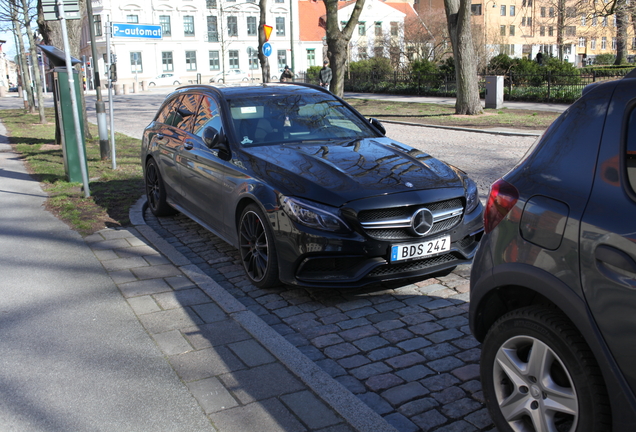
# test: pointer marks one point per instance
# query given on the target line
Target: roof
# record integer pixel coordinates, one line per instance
(309, 14)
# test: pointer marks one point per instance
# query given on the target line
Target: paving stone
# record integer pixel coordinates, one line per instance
(384, 353)
(439, 382)
(382, 382)
(156, 260)
(175, 299)
(326, 340)
(353, 361)
(288, 311)
(341, 350)
(211, 395)
(296, 339)
(311, 352)
(179, 282)
(472, 386)
(251, 353)
(439, 350)
(311, 410)
(215, 334)
(437, 304)
(332, 367)
(385, 326)
(282, 329)
(361, 312)
(161, 322)
(405, 360)
(172, 342)
(418, 318)
(261, 382)
(445, 364)
(342, 427)
(401, 423)
(472, 355)
(376, 402)
(396, 396)
(467, 372)
(197, 365)
(389, 306)
(327, 311)
(444, 336)
(418, 406)
(466, 343)
(414, 344)
(110, 244)
(480, 419)
(320, 330)
(448, 395)
(209, 312)
(447, 312)
(457, 426)
(411, 310)
(370, 370)
(426, 328)
(384, 316)
(353, 304)
(370, 343)
(122, 276)
(460, 408)
(414, 373)
(429, 420)
(153, 272)
(140, 288)
(351, 384)
(398, 335)
(453, 322)
(143, 305)
(352, 323)
(267, 415)
(106, 255)
(335, 318)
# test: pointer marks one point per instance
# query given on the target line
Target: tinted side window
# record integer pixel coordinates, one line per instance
(166, 114)
(630, 150)
(207, 115)
(186, 113)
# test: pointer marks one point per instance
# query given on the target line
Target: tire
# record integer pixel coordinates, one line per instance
(176, 83)
(538, 374)
(257, 248)
(151, 84)
(246, 79)
(156, 191)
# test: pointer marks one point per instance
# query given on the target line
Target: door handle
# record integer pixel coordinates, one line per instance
(188, 145)
(160, 136)
(616, 258)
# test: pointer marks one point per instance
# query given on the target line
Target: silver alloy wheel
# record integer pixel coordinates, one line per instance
(533, 388)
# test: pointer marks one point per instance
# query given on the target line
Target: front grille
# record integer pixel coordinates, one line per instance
(401, 219)
(329, 268)
(410, 266)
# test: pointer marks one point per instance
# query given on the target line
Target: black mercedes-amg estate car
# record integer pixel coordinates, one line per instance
(308, 190)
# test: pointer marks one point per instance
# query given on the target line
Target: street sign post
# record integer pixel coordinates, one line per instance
(137, 31)
(50, 9)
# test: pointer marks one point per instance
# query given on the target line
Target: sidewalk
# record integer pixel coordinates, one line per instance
(119, 331)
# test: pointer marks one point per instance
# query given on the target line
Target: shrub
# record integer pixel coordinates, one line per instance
(312, 74)
(500, 64)
(605, 59)
(377, 67)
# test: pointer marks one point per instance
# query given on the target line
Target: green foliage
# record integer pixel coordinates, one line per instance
(378, 66)
(605, 59)
(426, 73)
(312, 74)
(447, 67)
(500, 64)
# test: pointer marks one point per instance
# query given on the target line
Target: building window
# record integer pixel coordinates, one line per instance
(213, 29)
(502, 30)
(634, 43)
(188, 25)
(529, 3)
(570, 30)
(502, 10)
(604, 22)
(512, 30)
(542, 12)
(378, 51)
(550, 31)
(512, 10)
(214, 60)
(475, 9)
(191, 60)
(232, 26)
(279, 1)
(97, 20)
(311, 57)
(614, 20)
(614, 43)
(252, 57)
(132, 19)
(583, 19)
(394, 28)
(164, 20)
(551, 12)
(210, 4)
(166, 61)
(280, 26)
(281, 56)
(529, 22)
(362, 28)
(594, 20)
(234, 59)
(378, 28)
(136, 66)
(603, 43)
(542, 31)
(581, 42)
(251, 26)
(593, 43)
(523, 22)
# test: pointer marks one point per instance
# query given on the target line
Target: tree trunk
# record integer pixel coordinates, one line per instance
(262, 58)
(459, 28)
(37, 79)
(24, 67)
(622, 21)
(338, 41)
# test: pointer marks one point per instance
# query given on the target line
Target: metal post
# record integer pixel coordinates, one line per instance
(109, 29)
(71, 85)
(100, 107)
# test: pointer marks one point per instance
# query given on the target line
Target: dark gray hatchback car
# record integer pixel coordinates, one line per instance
(553, 285)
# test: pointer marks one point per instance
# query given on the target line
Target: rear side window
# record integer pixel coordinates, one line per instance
(630, 151)
(165, 115)
(185, 114)
(208, 115)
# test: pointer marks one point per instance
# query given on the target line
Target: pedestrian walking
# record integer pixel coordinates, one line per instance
(287, 75)
(324, 76)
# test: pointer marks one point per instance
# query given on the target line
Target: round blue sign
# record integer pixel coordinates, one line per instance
(267, 49)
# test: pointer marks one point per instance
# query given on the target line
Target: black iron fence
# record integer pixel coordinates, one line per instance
(545, 87)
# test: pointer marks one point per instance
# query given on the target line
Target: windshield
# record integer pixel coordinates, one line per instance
(275, 119)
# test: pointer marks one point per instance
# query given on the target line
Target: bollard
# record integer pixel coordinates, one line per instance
(125, 87)
(134, 87)
(143, 86)
(117, 89)
(3, 91)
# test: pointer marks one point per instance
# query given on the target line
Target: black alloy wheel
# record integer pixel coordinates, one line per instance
(156, 191)
(256, 244)
(539, 375)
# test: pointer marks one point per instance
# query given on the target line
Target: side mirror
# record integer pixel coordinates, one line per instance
(376, 123)
(215, 140)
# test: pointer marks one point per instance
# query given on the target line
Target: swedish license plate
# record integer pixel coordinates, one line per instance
(410, 251)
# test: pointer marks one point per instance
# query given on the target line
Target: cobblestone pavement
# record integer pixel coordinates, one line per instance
(405, 349)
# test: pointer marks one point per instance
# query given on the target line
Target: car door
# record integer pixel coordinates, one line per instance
(203, 171)
(608, 233)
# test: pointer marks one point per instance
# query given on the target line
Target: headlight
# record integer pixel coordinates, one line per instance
(472, 197)
(313, 215)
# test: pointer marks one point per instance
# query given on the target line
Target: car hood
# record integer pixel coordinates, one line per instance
(337, 172)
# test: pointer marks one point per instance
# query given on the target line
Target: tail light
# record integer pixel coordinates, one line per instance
(503, 197)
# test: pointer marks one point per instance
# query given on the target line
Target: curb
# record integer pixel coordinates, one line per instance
(346, 404)
(462, 129)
